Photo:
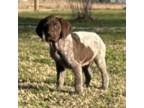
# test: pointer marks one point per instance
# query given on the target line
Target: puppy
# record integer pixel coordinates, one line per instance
(74, 50)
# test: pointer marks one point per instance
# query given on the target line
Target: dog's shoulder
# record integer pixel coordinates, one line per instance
(90, 39)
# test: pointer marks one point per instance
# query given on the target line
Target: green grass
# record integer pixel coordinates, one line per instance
(37, 74)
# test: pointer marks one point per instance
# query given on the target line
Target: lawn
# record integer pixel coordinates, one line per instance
(37, 76)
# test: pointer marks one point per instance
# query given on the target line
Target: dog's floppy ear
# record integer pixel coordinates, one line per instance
(65, 27)
(40, 28)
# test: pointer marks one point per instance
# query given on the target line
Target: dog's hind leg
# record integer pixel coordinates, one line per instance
(100, 61)
(88, 74)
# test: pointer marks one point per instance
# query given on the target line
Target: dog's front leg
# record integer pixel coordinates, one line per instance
(60, 75)
(78, 78)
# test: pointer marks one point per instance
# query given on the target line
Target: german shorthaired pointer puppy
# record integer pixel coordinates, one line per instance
(74, 50)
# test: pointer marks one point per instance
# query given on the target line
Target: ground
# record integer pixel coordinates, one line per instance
(37, 76)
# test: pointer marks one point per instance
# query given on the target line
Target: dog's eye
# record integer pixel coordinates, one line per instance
(57, 27)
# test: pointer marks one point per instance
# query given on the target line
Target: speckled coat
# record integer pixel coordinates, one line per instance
(74, 50)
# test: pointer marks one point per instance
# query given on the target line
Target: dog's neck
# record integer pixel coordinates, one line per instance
(57, 45)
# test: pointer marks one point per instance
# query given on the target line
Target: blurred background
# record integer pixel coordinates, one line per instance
(67, 4)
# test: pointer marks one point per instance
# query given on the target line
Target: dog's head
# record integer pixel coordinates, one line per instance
(53, 28)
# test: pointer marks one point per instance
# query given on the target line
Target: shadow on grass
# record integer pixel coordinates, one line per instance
(30, 21)
(36, 86)
(43, 86)
(27, 21)
(27, 85)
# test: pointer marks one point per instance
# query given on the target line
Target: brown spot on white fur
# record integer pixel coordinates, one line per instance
(82, 53)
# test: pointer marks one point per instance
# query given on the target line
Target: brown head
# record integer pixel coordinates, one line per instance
(53, 28)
